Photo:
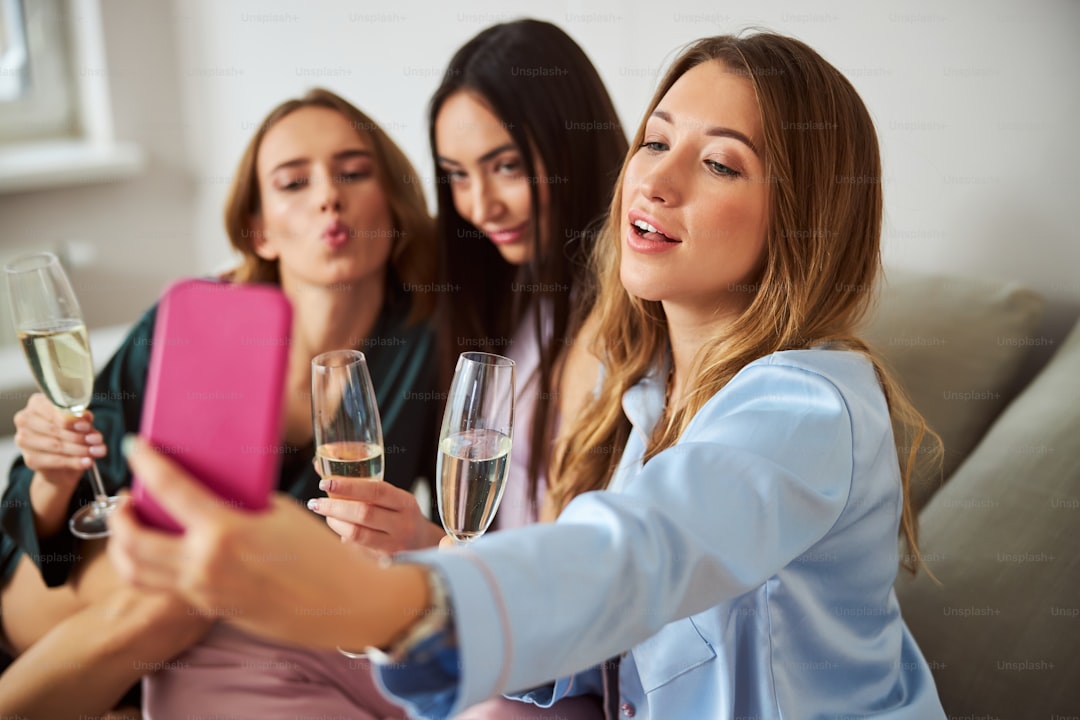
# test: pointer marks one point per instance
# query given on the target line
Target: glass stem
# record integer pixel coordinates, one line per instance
(100, 498)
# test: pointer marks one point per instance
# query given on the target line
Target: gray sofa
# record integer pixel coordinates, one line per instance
(1000, 528)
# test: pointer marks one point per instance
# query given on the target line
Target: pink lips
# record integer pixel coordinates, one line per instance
(336, 234)
(648, 242)
(506, 237)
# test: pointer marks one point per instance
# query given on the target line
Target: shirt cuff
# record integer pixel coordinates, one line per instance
(454, 675)
(426, 681)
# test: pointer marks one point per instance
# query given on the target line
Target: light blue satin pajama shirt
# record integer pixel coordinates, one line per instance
(744, 573)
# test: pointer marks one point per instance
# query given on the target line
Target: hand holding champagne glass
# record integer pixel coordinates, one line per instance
(474, 445)
(348, 432)
(52, 333)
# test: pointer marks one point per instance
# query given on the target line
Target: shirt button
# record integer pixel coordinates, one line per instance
(627, 709)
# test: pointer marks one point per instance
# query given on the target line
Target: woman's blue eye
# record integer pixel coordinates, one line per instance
(721, 169)
(654, 146)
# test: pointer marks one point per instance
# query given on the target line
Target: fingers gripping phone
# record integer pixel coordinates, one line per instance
(215, 390)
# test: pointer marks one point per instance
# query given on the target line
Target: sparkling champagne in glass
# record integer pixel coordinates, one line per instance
(474, 445)
(52, 333)
(345, 418)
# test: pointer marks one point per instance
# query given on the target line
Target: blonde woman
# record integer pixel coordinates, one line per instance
(730, 500)
(326, 206)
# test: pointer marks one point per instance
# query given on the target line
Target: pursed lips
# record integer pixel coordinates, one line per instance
(336, 234)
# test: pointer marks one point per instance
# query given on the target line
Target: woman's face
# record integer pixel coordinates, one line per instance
(324, 215)
(695, 198)
(487, 175)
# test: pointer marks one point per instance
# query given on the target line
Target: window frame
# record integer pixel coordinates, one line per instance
(88, 152)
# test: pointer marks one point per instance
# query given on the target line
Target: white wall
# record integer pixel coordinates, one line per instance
(975, 105)
(139, 230)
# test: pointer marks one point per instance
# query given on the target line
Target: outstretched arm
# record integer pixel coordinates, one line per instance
(277, 573)
(770, 458)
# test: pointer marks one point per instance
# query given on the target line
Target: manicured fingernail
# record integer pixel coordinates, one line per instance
(127, 445)
(97, 451)
(82, 426)
(94, 439)
(324, 484)
(85, 462)
(313, 504)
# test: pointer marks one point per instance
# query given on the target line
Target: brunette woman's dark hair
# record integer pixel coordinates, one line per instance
(546, 92)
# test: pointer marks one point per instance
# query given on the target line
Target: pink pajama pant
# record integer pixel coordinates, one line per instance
(232, 675)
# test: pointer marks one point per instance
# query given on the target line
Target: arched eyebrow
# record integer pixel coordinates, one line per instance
(343, 155)
(490, 154)
(713, 131)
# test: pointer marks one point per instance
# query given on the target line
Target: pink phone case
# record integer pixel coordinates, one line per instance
(215, 390)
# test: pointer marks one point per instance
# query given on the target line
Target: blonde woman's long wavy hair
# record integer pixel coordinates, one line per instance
(819, 273)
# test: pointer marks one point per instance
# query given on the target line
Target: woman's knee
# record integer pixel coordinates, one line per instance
(150, 625)
(29, 609)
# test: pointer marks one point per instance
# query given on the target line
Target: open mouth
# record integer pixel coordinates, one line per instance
(649, 232)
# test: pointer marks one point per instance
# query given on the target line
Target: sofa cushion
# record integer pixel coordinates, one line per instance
(956, 344)
(1001, 631)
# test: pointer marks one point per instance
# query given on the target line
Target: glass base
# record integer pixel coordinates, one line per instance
(362, 655)
(89, 522)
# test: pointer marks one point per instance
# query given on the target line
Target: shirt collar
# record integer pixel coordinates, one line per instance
(644, 402)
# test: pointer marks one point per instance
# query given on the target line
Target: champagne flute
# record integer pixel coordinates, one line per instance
(345, 417)
(52, 333)
(474, 444)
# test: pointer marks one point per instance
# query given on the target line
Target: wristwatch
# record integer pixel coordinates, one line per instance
(432, 633)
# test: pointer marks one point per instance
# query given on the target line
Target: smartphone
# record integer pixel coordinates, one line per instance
(215, 391)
